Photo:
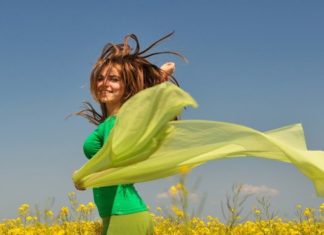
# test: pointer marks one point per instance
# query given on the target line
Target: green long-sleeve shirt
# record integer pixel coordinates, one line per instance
(111, 200)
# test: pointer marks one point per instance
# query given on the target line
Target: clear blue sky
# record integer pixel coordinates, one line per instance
(257, 63)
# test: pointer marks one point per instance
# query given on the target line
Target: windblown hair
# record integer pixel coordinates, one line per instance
(137, 72)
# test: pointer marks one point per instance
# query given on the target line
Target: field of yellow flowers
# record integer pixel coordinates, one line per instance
(78, 219)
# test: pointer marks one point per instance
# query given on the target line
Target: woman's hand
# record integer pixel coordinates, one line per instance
(78, 186)
(168, 68)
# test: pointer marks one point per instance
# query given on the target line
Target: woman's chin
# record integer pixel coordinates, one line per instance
(109, 101)
(105, 99)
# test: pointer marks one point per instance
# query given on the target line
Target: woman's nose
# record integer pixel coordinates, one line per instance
(105, 82)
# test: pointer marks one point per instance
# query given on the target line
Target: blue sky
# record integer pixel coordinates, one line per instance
(257, 63)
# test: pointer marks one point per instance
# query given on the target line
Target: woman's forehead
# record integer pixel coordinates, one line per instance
(110, 69)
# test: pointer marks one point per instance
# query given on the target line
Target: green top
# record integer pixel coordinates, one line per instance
(111, 200)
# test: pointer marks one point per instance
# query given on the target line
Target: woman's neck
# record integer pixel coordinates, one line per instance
(112, 109)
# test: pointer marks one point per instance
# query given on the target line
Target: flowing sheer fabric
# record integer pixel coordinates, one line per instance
(145, 144)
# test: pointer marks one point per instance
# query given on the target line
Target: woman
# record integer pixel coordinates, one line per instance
(118, 74)
(154, 146)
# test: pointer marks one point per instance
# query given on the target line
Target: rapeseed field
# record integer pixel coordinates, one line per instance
(77, 218)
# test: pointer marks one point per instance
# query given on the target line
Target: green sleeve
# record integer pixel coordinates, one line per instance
(93, 143)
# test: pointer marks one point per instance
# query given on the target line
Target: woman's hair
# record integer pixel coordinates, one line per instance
(137, 73)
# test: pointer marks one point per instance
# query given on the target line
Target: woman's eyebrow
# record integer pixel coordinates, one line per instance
(113, 75)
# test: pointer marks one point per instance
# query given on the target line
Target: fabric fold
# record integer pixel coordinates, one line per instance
(147, 144)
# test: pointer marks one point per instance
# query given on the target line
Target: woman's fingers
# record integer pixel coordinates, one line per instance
(168, 67)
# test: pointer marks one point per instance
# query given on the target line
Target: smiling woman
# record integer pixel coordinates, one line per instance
(145, 143)
(120, 73)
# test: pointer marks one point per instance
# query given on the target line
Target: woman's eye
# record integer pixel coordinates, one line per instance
(100, 78)
(114, 79)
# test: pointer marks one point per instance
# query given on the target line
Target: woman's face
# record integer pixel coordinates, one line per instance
(110, 87)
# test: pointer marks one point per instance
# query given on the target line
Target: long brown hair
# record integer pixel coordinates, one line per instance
(137, 72)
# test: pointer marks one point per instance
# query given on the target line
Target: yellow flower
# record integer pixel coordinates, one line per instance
(298, 206)
(49, 213)
(179, 186)
(177, 211)
(322, 208)
(91, 206)
(82, 208)
(173, 190)
(29, 218)
(233, 210)
(71, 194)
(64, 211)
(24, 207)
(308, 212)
(257, 212)
(184, 170)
